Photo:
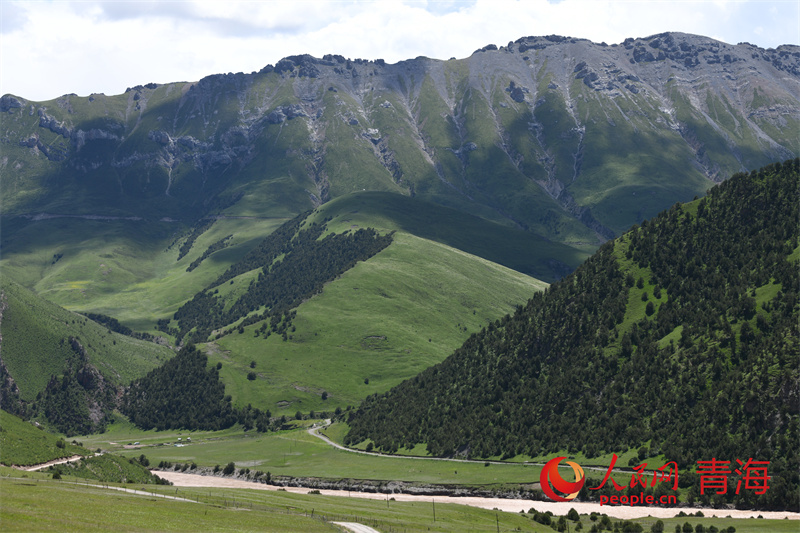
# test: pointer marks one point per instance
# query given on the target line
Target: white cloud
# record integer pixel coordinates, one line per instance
(52, 48)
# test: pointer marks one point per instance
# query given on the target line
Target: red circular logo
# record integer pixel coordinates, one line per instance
(550, 476)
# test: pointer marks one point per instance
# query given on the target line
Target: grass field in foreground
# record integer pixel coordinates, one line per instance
(418, 516)
(34, 505)
(33, 502)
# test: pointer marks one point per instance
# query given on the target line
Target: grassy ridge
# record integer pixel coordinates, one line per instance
(386, 320)
(505, 245)
(508, 135)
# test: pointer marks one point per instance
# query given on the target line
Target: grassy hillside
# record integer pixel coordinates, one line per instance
(409, 306)
(381, 322)
(23, 444)
(62, 368)
(126, 269)
(35, 343)
(503, 244)
(130, 269)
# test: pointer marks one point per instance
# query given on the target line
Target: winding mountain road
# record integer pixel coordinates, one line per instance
(314, 431)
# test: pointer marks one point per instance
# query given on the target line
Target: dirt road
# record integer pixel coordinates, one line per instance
(314, 431)
(51, 463)
(356, 527)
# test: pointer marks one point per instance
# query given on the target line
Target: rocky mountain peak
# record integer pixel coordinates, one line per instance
(590, 137)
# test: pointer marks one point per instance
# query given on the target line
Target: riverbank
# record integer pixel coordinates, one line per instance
(512, 505)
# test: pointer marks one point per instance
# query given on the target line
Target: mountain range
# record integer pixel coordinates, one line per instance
(494, 175)
(570, 139)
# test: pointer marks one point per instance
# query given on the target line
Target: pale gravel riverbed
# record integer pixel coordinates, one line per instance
(180, 479)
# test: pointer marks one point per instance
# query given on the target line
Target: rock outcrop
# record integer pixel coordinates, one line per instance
(561, 136)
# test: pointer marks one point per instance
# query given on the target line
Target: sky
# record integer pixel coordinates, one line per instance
(51, 48)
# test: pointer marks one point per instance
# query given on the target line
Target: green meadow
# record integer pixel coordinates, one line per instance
(296, 453)
(31, 501)
(43, 505)
(47, 505)
(121, 268)
(383, 321)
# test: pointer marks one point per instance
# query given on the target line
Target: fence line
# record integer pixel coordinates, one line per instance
(231, 503)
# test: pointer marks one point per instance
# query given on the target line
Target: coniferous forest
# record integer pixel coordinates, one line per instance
(80, 400)
(681, 334)
(186, 394)
(181, 394)
(294, 265)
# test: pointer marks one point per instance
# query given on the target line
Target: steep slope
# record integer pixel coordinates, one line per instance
(61, 365)
(23, 444)
(287, 267)
(392, 305)
(566, 138)
(682, 333)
